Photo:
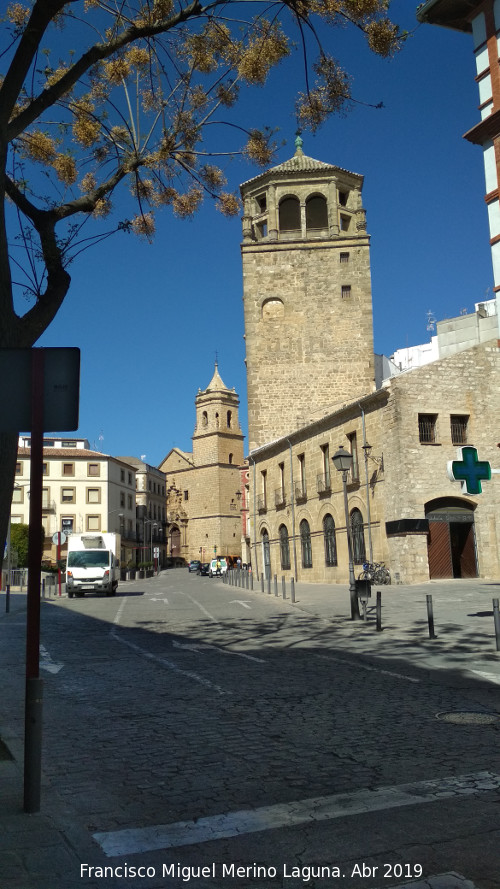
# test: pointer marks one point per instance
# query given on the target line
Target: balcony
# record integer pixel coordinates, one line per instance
(261, 503)
(300, 493)
(323, 484)
(279, 498)
(48, 505)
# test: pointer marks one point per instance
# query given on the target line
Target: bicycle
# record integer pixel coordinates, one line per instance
(375, 572)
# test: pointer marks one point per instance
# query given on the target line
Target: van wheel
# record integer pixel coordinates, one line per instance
(70, 595)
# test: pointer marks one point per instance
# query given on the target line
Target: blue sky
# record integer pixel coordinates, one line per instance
(149, 319)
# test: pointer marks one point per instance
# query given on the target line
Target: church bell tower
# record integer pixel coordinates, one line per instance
(306, 294)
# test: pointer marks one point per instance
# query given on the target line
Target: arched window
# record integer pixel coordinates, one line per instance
(330, 541)
(229, 419)
(266, 554)
(316, 212)
(305, 543)
(284, 548)
(217, 420)
(358, 538)
(230, 460)
(289, 214)
(204, 419)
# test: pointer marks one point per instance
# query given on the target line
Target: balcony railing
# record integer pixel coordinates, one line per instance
(261, 503)
(300, 492)
(323, 484)
(279, 498)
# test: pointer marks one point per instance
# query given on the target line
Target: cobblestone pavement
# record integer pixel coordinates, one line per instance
(312, 750)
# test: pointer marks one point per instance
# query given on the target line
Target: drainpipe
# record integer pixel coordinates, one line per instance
(292, 503)
(255, 521)
(368, 512)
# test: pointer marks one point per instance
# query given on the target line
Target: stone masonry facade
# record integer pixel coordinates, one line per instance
(401, 479)
(307, 294)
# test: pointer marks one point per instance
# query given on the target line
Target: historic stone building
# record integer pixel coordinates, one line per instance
(311, 389)
(307, 293)
(204, 486)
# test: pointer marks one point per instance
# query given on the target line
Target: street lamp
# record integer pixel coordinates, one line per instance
(342, 460)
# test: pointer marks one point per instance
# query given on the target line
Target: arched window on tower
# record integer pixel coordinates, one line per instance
(229, 418)
(316, 213)
(204, 419)
(289, 215)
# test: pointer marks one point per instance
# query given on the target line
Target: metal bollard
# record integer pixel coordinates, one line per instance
(379, 611)
(283, 587)
(430, 617)
(496, 618)
(275, 585)
(292, 589)
(262, 583)
(269, 585)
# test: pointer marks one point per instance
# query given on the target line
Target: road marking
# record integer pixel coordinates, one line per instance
(322, 808)
(203, 609)
(360, 666)
(46, 662)
(159, 600)
(239, 602)
(490, 677)
(170, 665)
(201, 646)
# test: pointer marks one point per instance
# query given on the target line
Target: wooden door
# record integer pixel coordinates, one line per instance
(439, 550)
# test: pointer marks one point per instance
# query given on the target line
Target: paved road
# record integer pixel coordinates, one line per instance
(217, 737)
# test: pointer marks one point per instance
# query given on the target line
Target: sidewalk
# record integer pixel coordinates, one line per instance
(465, 647)
(464, 643)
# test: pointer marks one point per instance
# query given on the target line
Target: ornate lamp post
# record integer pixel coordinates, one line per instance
(342, 460)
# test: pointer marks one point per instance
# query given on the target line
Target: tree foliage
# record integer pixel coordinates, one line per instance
(101, 96)
(19, 534)
(98, 94)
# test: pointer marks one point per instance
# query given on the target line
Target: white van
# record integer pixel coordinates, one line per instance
(217, 570)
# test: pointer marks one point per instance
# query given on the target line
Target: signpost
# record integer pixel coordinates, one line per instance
(59, 538)
(41, 387)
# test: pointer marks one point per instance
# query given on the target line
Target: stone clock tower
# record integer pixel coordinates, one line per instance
(306, 293)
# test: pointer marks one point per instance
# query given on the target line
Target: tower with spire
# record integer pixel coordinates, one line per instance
(204, 486)
(306, 294)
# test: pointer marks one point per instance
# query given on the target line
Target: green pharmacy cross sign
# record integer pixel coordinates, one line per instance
(469, 470)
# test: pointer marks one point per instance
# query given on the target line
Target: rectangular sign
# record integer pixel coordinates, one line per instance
(61, 389)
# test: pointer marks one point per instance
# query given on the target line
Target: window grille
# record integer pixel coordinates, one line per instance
(330, 541)
(427, 428)
(358, 537)
(305, 543)
(284, 548)
(459, 426)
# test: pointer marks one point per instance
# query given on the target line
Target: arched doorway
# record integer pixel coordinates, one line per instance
(451, 542)
(175, 542)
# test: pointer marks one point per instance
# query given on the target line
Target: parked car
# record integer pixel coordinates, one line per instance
(204, 568)
(194, 564)
(217, 566)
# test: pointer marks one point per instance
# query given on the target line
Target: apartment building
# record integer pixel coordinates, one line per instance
(83, 490)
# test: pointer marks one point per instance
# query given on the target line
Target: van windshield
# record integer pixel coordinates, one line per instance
(88, 559)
